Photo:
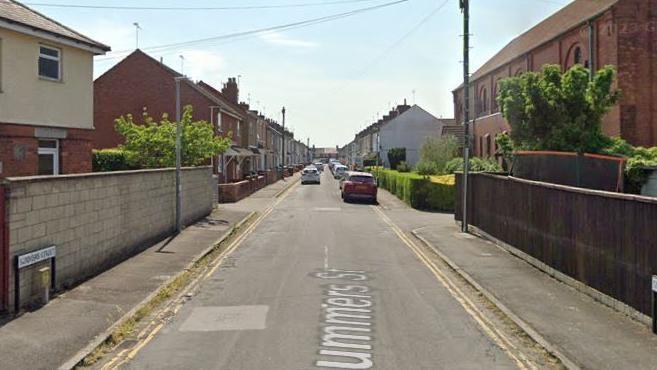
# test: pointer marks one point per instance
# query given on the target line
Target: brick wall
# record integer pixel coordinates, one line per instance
(98, 220)
(19, 148)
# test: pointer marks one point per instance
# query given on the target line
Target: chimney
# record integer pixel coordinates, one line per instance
(244, 106)
(231, 91)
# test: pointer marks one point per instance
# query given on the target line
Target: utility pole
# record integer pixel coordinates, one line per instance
(465, 8)
(283, 146)
(178, 158)
(137, 28)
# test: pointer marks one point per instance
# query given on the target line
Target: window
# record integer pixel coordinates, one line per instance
(577, 55)
(50, 63)
(48, 157)
(220, 128)
(238, 128)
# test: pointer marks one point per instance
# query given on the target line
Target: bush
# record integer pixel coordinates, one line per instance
(438, 151)
(403, 167)
(418, 191)
(106, 160)
(476, 165)
(426, 168)
(395, 156)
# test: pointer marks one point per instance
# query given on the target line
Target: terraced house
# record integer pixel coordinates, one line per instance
(590, 33)
(46, 94)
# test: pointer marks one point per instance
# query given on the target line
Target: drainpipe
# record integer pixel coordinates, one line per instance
(592, 61)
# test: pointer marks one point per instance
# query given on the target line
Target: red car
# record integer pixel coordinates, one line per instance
(359, 185)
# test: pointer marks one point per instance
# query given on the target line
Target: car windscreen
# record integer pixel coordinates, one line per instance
(362, 179)
(309, 171)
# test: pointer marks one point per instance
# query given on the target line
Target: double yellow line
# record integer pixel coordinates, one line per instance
(132, 353)
(477, 315)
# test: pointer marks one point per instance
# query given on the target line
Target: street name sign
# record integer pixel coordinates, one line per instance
(31, 258)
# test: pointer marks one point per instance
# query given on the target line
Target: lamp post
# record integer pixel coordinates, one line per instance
(283, 146)
(465, 8)
(178, 158)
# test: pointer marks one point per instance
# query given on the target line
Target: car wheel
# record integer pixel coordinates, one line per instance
(374, 201)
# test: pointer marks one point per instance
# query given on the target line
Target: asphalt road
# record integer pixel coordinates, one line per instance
(322, 284)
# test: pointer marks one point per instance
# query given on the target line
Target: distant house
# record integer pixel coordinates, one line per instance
(140, 83)
(46, 94)
(590, 33)
(409, 130)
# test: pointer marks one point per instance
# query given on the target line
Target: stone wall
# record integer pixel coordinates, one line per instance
(97, 220)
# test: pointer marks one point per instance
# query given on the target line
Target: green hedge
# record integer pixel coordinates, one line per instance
(107, 160)
(417, 191)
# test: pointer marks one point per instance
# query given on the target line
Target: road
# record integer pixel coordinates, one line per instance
(322, 284)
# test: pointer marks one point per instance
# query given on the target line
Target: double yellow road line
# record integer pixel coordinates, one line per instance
(460, 296)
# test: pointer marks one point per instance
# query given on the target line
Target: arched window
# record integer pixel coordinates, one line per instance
(483, 100)
(577, 55)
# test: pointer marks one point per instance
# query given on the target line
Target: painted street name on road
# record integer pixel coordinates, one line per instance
(347, 320)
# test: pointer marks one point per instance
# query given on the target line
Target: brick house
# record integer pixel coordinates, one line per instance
(591, 33)
(46, 107)
(115, 95)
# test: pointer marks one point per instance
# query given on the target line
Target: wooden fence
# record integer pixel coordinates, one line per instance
(605, 240)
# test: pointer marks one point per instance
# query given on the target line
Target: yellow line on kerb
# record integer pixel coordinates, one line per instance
(487, 326)
(217, 263)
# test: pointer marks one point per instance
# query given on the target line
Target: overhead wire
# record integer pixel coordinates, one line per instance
(206, 8)
(250, 33)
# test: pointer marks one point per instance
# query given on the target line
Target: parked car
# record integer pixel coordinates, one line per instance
(310, 174)
(359, 185)
(319, 166)
(339, 171)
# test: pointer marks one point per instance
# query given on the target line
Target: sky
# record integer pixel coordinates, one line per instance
(334, 78)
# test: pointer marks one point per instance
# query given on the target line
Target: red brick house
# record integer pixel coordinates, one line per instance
(141, 83)
(46, 108)
(592, 33)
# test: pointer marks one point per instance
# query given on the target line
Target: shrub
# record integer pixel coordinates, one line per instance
(418, 191)
(476, 165)
(395, 156)
(106, 160)
(426, 168)
(439, 151)
(403, 167)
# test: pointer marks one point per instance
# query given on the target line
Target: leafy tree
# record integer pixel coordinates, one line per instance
(437, 151)
(154, 143)
(505, 149)
(551, 110)
(395, 156)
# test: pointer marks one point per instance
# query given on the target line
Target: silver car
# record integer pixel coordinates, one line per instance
(310, 175)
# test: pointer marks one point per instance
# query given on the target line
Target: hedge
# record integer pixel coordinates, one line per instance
(435, 194)
(107, 160)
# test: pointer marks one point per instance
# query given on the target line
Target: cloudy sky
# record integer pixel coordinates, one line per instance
(333, 77)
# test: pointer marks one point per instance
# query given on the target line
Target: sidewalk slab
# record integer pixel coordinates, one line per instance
(587, 332)
(50, 336)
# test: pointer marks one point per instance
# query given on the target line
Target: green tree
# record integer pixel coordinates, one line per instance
(396, 156)
(551, 110)
(437, 151)
(154, 143)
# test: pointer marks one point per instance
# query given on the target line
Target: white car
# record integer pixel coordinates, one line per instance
(310, 175)
(339, 171)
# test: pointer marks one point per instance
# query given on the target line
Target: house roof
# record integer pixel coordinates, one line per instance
(15, 13)
(457, 131)
(570, 16)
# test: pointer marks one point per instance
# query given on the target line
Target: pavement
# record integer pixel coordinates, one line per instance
(585, 332)
(320, 283)
(61, 332)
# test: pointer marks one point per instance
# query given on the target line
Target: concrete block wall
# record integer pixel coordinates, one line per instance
(97, 220)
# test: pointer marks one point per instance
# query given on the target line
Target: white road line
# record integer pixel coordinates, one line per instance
(326, 261)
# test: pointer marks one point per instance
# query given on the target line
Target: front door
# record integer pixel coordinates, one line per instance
(4, 251)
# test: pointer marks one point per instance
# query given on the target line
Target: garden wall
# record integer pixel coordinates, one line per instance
(96, 220)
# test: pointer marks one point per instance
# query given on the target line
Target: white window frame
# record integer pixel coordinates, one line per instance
(239, 129)
(51, 151)
(58, 58)
(220, 128)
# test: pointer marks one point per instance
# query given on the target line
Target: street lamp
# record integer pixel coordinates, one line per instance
(178, 157)
(283, 146)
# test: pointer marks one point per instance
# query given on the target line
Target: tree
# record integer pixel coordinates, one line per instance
(396, 156)
(551, 110)
(437, 151)
(154, 143)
